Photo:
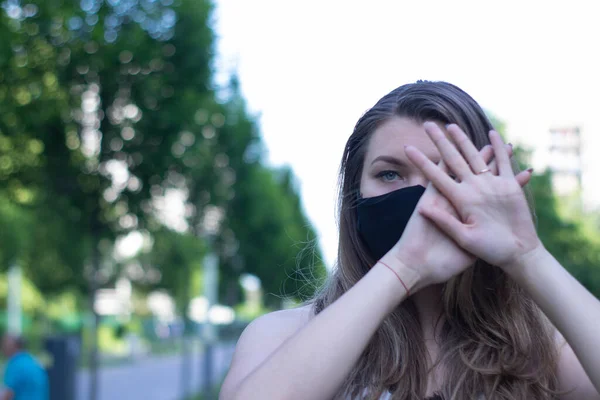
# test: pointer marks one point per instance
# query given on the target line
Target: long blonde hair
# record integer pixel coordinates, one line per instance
(496, 341)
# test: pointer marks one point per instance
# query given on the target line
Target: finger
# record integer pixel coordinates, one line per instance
(500, 155)
(524, 177)
(441, 180)
(451, 156)
(467, 148)
(443, 167)
(509, 149)
(446, 222)
(487, 152)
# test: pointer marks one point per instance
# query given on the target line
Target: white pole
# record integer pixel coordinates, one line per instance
(14, 300)
(211, 285)
(211, 281)
(212, 221)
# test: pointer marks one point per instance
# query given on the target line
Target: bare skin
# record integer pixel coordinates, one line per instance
(293, 354)
(492, 221)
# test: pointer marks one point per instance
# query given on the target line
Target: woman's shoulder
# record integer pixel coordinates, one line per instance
(261, 338)
(269, 331)
(282, 322)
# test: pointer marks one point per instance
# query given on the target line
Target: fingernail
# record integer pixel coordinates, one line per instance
(530, 170)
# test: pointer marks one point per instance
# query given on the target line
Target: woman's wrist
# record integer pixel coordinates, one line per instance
(520, 266)
(407, 277)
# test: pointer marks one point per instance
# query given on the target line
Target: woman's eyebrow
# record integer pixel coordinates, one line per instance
(390, 160)
(400, 162)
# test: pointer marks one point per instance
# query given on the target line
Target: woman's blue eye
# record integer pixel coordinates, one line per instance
(388, 175)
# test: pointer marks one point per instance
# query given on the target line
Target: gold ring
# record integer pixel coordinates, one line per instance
(484, 170)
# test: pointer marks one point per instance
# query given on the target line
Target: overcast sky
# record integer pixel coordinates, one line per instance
(311, 68)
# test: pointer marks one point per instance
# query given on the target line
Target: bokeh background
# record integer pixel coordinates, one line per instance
(168, 167)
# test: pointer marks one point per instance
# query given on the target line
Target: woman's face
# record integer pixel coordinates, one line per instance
(386, 168)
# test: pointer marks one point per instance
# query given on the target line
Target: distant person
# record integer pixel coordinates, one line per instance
(24, 377)
(442, 287)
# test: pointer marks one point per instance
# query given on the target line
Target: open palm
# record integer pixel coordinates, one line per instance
(492, 219)
(434, 255)
(426, 249)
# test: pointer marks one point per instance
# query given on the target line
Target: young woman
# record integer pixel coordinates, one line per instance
(442, 287)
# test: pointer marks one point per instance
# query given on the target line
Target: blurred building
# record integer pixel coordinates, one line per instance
(565, 159)
(568, 147)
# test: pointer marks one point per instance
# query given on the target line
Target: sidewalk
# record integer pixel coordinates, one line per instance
(153, 377)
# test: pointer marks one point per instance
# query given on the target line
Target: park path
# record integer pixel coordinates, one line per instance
(153, 378)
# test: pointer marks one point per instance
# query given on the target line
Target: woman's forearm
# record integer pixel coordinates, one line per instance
(314, 362)
(572, 309)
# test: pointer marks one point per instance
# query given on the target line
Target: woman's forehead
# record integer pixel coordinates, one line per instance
(397, 132)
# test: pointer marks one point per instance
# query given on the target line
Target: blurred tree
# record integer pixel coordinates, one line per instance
(88, 161)
(176, 255)
(273, 238)
(14, 238)
(566, 239)
(574, 243)
(125, 111)
(107, 108)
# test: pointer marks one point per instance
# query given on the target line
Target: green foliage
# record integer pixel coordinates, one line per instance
(566, 239)
(276, 241)
(106, 106)
(570, 241)
(32, 300)
(564, 229)
(177, 256)
(497, 123)
(14, 240)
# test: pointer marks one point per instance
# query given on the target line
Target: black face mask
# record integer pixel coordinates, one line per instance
(382, 219)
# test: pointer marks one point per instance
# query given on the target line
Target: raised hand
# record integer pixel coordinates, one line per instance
(492, 220)
(423, 247)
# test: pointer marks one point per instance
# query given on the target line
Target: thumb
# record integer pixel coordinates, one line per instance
(446, 222)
